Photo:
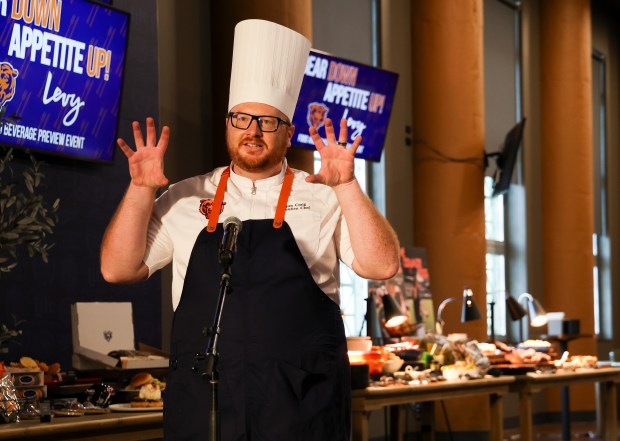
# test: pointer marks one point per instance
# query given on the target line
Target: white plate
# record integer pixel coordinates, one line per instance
(126, 407)
(604, 363)
(544, 349)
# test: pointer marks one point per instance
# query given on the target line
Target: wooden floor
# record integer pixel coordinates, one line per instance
(553, 432)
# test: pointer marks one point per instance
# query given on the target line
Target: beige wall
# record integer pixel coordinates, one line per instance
(531, 144)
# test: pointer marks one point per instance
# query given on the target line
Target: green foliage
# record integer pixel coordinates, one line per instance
(7, 334)
(26, 221)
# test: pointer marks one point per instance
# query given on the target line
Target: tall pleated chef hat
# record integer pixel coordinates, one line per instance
(268, 65)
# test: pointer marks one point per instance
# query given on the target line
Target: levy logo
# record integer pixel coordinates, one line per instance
(66, 99)
(8, 75)
(357, 126)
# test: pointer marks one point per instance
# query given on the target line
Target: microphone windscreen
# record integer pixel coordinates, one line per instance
(233, 220)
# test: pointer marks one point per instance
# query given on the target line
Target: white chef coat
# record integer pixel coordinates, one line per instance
(312, 212)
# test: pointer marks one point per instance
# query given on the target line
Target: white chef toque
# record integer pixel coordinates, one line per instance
(268, 65)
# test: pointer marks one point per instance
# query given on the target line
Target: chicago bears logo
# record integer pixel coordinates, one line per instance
(7, 83)
(206, 207)
(317, 112)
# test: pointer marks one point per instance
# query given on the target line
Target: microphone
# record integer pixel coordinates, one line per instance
(232, 227)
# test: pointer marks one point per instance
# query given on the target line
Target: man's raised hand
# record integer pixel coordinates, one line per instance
(337, 161)
(146, 163)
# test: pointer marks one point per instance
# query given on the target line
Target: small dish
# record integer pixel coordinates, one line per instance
(544, 349)
(392, 365)
(460, 374)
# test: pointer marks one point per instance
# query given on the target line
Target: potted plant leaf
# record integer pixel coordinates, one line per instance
(26, 219)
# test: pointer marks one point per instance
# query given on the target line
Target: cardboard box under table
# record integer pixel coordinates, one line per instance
(102, 327)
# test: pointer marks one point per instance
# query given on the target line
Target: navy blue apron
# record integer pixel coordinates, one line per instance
(283, 369)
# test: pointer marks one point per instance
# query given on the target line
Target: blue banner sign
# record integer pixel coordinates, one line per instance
(337, 88)
(61, 71)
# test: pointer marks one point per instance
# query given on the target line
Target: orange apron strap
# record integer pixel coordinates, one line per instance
(217, 202)
(278, 220)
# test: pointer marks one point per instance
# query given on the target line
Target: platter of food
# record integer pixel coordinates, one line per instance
(537, 345)
(407, 350)
(143, 392)
(461, 371)
(605, 363)
(515, 369)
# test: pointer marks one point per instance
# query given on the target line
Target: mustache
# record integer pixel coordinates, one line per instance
(252, 140)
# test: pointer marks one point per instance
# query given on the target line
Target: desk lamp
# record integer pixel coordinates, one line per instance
(537, 315)
(373, 323)
(439, 322)
(515, 311)
(491, 338)
(469, 310)
(393, 314)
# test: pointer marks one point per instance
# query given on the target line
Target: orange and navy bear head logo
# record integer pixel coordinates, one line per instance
(7, 83)
(317, 112)
(206, 207)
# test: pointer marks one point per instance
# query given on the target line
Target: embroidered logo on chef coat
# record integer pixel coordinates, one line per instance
(206, 207)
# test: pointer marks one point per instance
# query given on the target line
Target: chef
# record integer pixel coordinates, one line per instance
(283, 367)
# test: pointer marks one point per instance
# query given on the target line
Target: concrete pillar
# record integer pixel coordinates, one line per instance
(448, 119)
(566, 164)
(448, 167)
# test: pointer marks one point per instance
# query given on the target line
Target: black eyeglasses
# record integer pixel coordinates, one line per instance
(265, 122)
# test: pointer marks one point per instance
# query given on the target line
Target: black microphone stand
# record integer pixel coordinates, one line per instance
(212, 354)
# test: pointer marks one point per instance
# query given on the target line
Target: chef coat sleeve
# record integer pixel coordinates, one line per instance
(159, 245)
(343, 242)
